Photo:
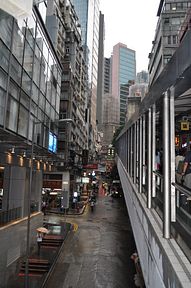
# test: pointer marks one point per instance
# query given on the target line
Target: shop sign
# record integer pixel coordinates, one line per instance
(185, 125)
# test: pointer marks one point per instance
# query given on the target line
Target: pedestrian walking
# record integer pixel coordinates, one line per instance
(92, 203)
(43, 208)
(39, 237)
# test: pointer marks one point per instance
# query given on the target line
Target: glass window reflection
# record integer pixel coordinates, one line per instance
(2, 105)
(12, 114)
(4, 56)
(36, 72)
(14, 90)
(43, 75)
(34, 109)
(15, 70)
(18, 42)
(41, 101)
(28, 59)
(23, 121)
(26, 82)
(6, 24)
(25, 99)
(35, 92)
(42, 9)
(3, 80)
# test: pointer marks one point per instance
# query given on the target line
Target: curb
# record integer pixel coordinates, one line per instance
(68, 214)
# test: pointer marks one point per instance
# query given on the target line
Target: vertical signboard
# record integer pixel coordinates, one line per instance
(64, 199)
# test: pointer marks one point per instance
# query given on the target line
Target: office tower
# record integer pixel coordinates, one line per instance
(88, 13)
(171, 15)
(100, 83)
(123, 75)
(142, 77)
(110, 108)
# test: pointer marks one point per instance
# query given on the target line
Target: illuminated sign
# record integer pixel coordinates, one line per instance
(185, 125)
(52, 142)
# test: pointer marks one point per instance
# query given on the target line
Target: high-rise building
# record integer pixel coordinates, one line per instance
(88, 13)
(142, 77)
(110, 118)
(171, 15)
(123, 75)
(100, 82)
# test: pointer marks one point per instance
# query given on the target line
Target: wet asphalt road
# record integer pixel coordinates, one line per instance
(98, 254)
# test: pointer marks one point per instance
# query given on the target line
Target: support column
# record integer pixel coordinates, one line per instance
(149, 153)
(14, 188)
(135, 154)
(131, 150)
(166, 167)
(143, 150)
(172, 153)
(140, 155)
(153, 143)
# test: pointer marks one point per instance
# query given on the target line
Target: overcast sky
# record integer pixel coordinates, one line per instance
(132, 23)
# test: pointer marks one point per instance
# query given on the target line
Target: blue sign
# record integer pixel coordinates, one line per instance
(52, 142)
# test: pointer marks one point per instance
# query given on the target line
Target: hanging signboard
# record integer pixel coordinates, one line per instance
(184, 125)
(64, 199)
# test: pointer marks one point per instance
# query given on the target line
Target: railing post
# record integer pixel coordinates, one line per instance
(143, 149)
(153, 143)
(172, 146)
(131, 150)
(140, 154)
(135, 153)
(149, 158)
(166, 166)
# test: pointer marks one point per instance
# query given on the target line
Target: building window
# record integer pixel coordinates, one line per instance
(173, 6)
(169, 39)
(175, 21)
(174, 39)
(167, 58)
(166, 21)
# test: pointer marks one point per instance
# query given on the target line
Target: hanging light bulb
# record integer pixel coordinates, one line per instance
(13, 150)
(24, 154)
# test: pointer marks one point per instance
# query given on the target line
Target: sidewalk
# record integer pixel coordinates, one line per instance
(73, 212)
(40, 265)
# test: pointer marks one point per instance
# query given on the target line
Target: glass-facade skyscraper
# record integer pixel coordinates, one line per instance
(123, 75)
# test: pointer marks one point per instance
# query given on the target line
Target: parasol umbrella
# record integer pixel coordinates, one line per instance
(42, 230)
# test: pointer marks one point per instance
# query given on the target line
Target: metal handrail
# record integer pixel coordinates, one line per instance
(158, 174)
(182, 189)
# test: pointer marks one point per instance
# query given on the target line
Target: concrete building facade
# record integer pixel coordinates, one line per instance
(171, 15)
(88, 13)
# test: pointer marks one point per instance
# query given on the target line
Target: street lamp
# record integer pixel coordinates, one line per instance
(67, 120)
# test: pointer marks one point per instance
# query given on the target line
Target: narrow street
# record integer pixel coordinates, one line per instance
(98, 253)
